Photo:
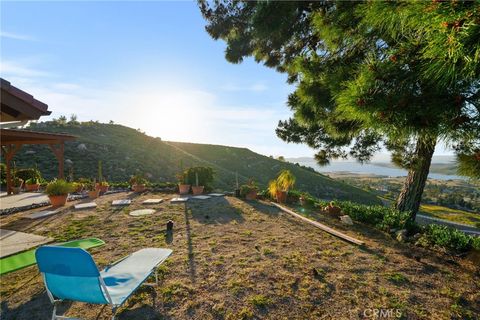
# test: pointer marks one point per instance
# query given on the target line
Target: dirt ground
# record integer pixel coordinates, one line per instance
(234, 259)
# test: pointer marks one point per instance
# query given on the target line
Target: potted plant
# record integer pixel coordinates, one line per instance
(32, 184)
(199, 178)
(138, 182)
(58, 191)
(183, 187)
(196, 189)
(249, 190)
(93, 191)
(279, 187)
(16, 184)
(77, 187)
(103, 186)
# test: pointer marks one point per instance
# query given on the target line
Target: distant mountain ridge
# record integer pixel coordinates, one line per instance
(124, 151)
(442, 164)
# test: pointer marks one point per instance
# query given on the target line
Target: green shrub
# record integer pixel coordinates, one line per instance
(3, 174)
(137, 179)
(205, 176)
(450, 238)
(30, 173)
(247, 188)
(32, 181)
(59, 187)
(381, 217)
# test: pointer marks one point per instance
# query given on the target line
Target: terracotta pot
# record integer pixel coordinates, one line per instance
(93, 194)
(252, 195)
(32, 187)
(196, 190)
(183, 188)
(58, 201)
(281, 196)
(138, 187)
(103, 189)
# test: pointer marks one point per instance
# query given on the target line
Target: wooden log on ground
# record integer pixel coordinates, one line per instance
(321, 226)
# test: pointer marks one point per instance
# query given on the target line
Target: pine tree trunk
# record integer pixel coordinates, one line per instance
(411, 194)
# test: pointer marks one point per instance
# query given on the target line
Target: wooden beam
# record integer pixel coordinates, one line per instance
(321, 226)
(9, 152)
(33, 141)
(58, 152)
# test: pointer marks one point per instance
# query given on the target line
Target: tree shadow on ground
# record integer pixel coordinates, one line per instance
(24, 224)
(216, 210)
(144, 312)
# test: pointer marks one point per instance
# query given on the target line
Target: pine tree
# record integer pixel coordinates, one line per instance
(400, 75)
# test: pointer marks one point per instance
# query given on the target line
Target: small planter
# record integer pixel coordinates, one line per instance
(58, 201)
(281, 196)
(196, 190)
(103, 189)
(93, 194)
(32, 187)
(138, 187)
(79, 189)
(252, 195)
(183, 188)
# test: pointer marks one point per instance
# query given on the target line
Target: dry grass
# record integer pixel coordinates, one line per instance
(246, 260)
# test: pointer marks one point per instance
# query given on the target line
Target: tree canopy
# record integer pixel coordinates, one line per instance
(402, 75)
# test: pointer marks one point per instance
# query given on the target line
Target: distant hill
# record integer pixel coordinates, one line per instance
(442, 164)
(125, 151)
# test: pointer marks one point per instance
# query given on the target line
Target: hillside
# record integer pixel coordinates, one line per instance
(125, 151)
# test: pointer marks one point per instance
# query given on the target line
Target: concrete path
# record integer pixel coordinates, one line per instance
(423, 219)
(21, 200)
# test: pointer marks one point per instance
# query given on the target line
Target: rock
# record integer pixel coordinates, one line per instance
(416, 236)
(68, 162)
(401, 235)
(346, 219)
(82, 146)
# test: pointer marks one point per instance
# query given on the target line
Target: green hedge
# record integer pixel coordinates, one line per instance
(386, 219)
(449, 238)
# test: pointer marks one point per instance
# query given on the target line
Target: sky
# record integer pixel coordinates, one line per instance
(147, 65)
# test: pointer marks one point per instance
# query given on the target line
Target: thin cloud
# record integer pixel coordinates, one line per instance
(257, 87)
(15, 36)
(13, 69)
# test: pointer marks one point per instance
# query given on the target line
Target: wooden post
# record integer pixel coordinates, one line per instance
(58, 152)
(9, 151)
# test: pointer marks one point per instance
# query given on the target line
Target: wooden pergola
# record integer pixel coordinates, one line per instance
(17, 105)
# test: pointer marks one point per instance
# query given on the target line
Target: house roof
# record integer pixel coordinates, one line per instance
(18, 105)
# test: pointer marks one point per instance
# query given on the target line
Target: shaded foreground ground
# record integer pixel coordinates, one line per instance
(245, 260)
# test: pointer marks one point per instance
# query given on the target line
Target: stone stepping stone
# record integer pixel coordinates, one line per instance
(152, 201)
(86, 205)
(179, 200)
(124, 202)
(42, 214)
(216, 194)
(142, 212)
(201, 197)
(13, 242)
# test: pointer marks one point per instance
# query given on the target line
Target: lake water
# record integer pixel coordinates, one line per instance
(371, 168)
